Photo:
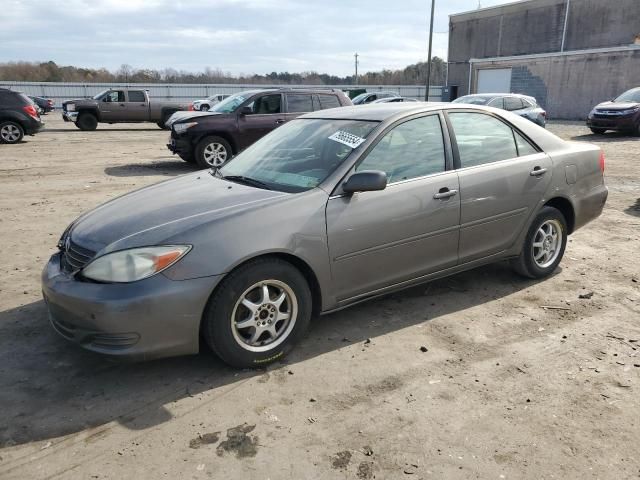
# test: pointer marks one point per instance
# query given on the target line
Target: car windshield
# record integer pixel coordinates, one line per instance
(473, 100)
(97, 97)
(299, 155)
(229, 104)
(629, 96)
(359, 97)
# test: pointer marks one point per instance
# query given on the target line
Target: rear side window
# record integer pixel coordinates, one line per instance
(512, 103)
(524, 147)
(412, 149)
(328, 101)
(299, 103)
(136, 96)
(481, 138)
(9, 98)
(497, 103)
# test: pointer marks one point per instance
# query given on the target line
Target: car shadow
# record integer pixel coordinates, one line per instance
(605, 137)
(634, 209)
(170, 167)
(50, 388)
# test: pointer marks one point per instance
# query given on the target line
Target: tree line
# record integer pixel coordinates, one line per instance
(51, 72)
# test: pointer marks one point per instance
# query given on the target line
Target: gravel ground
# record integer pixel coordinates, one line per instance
(505, 388)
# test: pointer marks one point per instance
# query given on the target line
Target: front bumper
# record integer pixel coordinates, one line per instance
(152, 318)
(69, 116)
(627, 122)
(180, 146)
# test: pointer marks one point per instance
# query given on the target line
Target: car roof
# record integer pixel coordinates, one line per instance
(376, 112)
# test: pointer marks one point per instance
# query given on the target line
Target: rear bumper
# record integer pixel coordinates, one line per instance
(32, 126)
(69, 116)
(153, 318)
(590, 205)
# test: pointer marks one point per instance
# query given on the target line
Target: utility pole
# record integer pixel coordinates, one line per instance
(426, 93)
(356, 57)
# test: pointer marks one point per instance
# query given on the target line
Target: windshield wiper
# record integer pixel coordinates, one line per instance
(246, 180)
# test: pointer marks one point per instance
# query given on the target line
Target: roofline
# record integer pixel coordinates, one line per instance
(484, 9)
(625, 48)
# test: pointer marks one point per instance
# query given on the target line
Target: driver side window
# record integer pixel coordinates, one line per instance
(114, 96)
(266, 105)
(412, 149)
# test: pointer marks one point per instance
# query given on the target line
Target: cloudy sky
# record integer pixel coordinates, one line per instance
(238, 36)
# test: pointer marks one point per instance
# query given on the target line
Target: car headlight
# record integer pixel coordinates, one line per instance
(71, 107)
(629, 111)
(134, 264)
(182, 127)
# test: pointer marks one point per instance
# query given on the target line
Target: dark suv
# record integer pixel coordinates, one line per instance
(18, 116)
(621, 113)
(211, 138)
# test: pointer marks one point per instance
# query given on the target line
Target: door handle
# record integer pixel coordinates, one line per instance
(122, 104)
(279, 121)
(444, 193)
(537, 171)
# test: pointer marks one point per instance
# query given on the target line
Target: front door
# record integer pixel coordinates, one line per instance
(377, 239)
(267, 115)
(112, 106)
(502, 180)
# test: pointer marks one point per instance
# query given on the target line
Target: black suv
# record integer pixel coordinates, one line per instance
(18, 116)
(211, 138)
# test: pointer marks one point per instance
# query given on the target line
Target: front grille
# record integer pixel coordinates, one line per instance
(75, 257)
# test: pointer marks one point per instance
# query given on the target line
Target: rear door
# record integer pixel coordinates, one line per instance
(137, 108)
(503, 177)
(377, 239)
(267, 115)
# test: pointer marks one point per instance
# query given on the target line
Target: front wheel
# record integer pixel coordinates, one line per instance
(258, 313)
(87, 122)
(544, 245)
(597, 131)
(204, 107)
(11, 132)
(212, 152)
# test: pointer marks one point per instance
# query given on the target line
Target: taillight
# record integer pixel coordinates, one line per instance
(601, 161)
(31, 111)
(50, 102)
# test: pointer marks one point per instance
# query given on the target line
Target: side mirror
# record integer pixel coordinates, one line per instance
(246, 111)
(365, 181)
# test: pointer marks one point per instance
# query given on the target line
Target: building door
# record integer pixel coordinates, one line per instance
(494, 80)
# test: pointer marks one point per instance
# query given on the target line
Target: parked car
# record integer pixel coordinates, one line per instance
(207, 103)
(522, 105)
(621, 114)
(45, 104)
(365, 98)
(119, 106)
(18, 116)
(335, 207)
(395, 100)
(211, 138)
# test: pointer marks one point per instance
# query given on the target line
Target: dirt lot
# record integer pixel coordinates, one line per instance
(506, 388)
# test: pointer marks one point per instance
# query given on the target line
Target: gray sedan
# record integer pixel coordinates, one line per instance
(333, 208)
(522, 105)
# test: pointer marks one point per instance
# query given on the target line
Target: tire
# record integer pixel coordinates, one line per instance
(212, 152)
(269, 333)
(540, 253)
(161, 124)
(204, 107)
(597, 131)
(87, 122)
(11, 132)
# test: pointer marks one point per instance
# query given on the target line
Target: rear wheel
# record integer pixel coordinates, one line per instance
(544, 244)
(212, 152)
(11, 132)
(161, 124)
(258, 313)
(87, 122)
(598, 131)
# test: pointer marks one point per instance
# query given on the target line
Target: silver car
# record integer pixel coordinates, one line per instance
(522, 105)
(333, 208)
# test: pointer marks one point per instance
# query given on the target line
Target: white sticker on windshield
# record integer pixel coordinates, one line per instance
(346, 138)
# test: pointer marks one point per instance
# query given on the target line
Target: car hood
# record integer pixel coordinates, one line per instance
(617, 105)
(80, 100)
(184, 116)
(154, 214)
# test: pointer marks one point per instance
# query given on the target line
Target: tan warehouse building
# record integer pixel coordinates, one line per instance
(569, 54)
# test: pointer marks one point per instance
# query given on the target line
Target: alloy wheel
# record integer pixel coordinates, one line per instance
(547, 243)
(215, 154)
(10, 133)
(264, 315)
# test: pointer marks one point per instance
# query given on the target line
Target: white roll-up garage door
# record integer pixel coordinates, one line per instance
(494, 80)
